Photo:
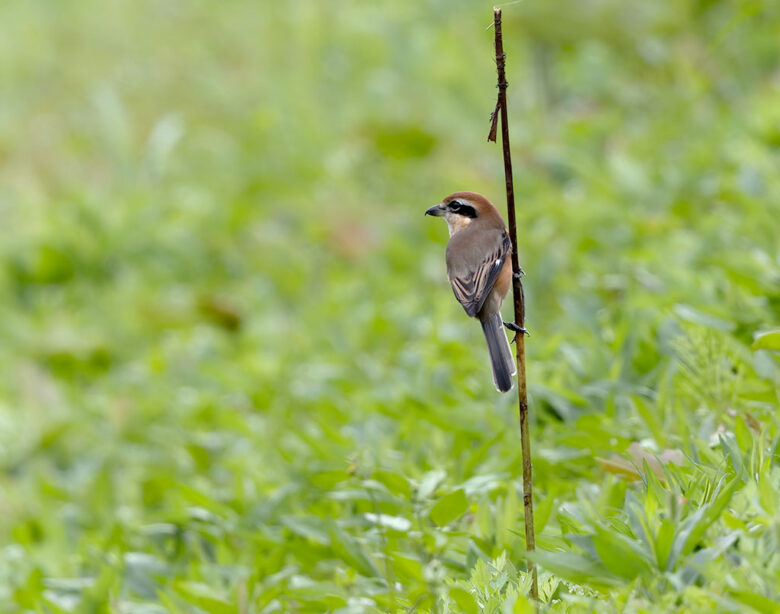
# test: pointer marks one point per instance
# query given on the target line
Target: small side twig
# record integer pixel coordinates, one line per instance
(519, 298)
(494, 122)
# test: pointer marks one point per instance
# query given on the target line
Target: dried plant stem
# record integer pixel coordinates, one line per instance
(519, 299)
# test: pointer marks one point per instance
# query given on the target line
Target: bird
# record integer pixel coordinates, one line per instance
(479, 267)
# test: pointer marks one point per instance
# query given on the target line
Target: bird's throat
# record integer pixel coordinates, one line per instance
(456, 223)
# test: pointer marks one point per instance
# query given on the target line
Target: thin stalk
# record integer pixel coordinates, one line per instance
(519, 300)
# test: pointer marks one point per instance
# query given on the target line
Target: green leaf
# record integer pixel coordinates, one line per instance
(308, 527)
(621, 555)
(395, 483)
(574, 567)
(769, 340)
(693, 527)
(654, 486)
(663, 543)
(204, 596)
(430, 482)
(650, 417)
(169, 603)
(767, 496)
(516, 603)
(507, 517)
(637, 519)
(730, 449)
(543, 511)
(349, 550)
(547, 587)
(449, 507)
(689, 314)
(464, 600)
(743, 435)
(408, 567)
(758, 602)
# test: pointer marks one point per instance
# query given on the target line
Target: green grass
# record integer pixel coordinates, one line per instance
(233, 377)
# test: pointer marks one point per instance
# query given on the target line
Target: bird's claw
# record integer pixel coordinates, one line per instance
(519, 274)
(516, 329)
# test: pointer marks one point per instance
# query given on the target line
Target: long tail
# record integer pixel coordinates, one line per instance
(501, 358)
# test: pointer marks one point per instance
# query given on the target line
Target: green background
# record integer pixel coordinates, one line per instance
(233, 377)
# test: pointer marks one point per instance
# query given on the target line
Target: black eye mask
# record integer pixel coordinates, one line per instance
(462, 209)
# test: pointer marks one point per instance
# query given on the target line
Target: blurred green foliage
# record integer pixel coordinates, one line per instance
(233, 377)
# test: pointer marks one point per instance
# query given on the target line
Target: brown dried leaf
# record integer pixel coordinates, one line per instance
(630, 469)
(494, 123)
(753, 423)
(619, 466)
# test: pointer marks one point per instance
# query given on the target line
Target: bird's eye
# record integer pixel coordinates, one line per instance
(462, 208)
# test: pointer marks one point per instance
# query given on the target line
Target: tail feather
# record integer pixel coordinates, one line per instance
(501, 359)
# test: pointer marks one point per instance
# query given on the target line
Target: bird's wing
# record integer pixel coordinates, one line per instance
(473, 281)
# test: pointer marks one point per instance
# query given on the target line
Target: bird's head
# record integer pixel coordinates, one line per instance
(461, 209)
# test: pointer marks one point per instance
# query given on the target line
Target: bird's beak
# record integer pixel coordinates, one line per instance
(436, 210)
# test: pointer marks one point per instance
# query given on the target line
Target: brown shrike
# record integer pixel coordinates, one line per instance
(479, 267)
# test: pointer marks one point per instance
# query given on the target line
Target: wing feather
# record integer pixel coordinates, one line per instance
(472, 287)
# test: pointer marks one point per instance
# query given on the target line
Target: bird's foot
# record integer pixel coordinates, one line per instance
(516, 329)
(519, 274)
